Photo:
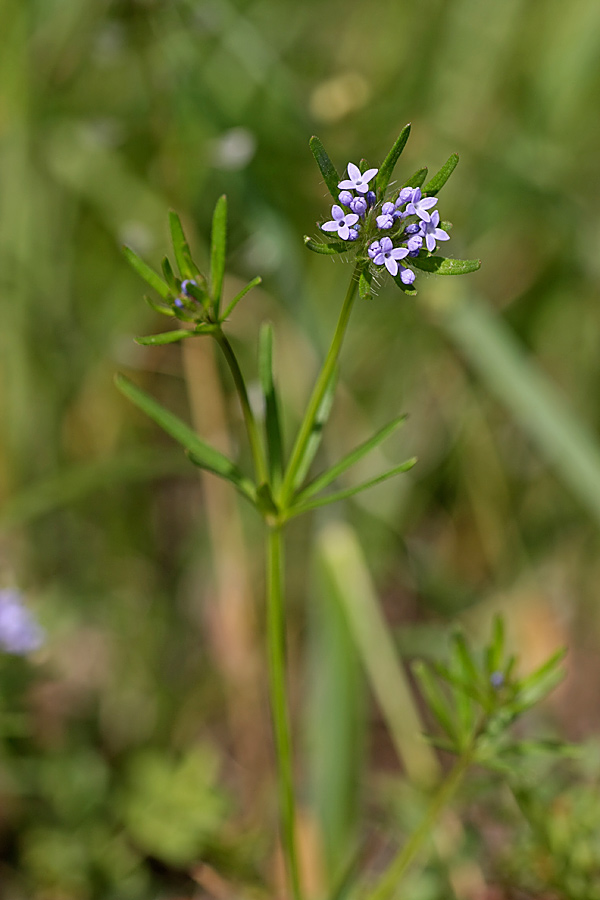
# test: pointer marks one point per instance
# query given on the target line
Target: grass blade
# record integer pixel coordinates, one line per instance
(323, 480)
(251, 284)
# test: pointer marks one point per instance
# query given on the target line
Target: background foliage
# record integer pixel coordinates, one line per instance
(151, 691)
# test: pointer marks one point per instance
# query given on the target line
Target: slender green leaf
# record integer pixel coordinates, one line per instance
(159, 307)
(272, 421)
(323, 480)
(435, 699)
(387, 167)
(170, 276)
(201, 454)
(312, 444)
(417, 179)
(217, 251)
(239, 296)
(328, 170)
(440, 265)
(409, 289)
(167, 337)
(536, 686)
(437, 181)
(458, 681)
(464, 660)
(495, 651)
(148, 274)
(187, 267)
(350, 492)
(331, 249)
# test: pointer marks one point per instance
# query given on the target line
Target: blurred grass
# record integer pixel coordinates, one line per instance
(110, 112)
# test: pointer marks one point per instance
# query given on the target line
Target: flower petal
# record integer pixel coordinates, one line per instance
(441, 235)
(391, 265)
(370, 173)
(351, 219)
(329, 226)
(344, 232)
(430, 241)
(347, 184)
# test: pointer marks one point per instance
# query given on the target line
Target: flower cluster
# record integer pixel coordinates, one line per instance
(19, 632)
(410, 222)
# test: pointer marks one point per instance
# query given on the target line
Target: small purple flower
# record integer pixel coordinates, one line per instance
(432, 233)
(359, 205)
(405, 196)
(418, 205)
(184, 286)
(356, 180)
(388, 209)
(352, 234)
(371, 198)
(19, 632)
(341, 222)
(388, 255)
(497, 679)
(407, 276)
(374, 249)
(414, 244)
(345, 198)
(384, 222)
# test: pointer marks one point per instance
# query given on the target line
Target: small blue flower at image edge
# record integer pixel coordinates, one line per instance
(19, 632)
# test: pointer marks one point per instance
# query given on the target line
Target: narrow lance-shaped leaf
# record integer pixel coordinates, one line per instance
(535, 687)
(364, 285)
(437, 181)
(166, 337)
(312, 444)
(159, 307)
(252, 284)
(495, 651)
(200, 453)
(272, 421)
(330, 249)
(417, 179)
(217, 252)
(435, 699)
(440, 265)
(187, 267)
(350, 492)
(328, 170)
(148, 274)
(325, 479)
(387, 167)
(170, 275)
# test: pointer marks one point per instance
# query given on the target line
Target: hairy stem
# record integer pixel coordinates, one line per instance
(256, 447)
(279, 705)
(319, 391)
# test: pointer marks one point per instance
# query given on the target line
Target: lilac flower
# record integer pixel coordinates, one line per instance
(405, 196)
(371, 198)
(341, 222)
(497, 679)
(432, 233)
(359, 205)
(414, 244)
(385, 221)
(19, 632)
(374, 249)
(345, 198)
(407, 276)
(358, 181)
(418, 205)
(387, 254)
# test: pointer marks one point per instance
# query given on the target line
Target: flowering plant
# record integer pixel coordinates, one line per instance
(399, 234)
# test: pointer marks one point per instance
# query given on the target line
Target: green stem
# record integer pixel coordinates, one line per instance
(279, 706)
(391, 879)
(320, 387)
(258, 457)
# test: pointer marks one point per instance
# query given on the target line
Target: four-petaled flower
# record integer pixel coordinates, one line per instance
(341, 222)
(418, 205)
(384, 253)
(432, 233)
(19, 632)
(357, 180)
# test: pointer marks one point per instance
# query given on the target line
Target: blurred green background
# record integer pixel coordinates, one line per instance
(137, 744)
